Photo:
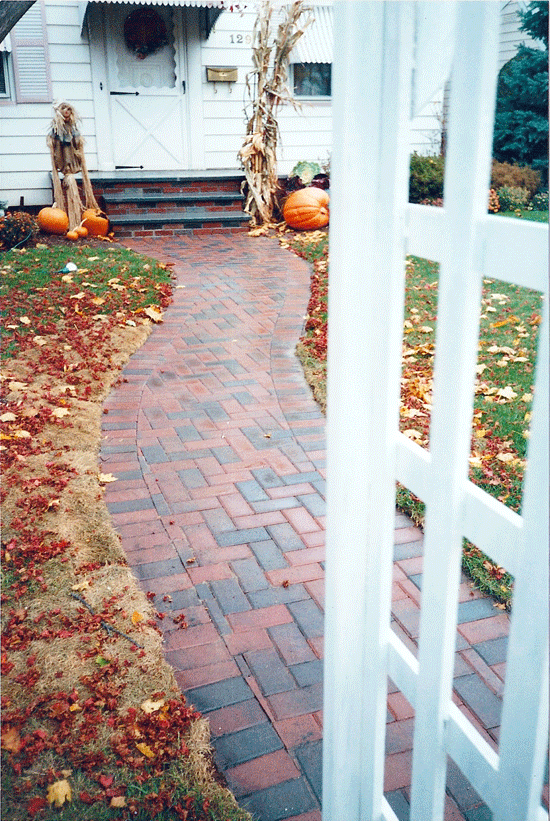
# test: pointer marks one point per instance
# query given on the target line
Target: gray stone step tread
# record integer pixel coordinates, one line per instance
(189, 217)
(139, 196)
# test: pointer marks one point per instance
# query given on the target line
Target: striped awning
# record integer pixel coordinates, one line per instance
(315, 45)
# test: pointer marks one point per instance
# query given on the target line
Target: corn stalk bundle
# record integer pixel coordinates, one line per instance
(267, 87)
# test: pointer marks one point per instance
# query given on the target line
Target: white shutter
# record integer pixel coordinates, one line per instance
(30, 57)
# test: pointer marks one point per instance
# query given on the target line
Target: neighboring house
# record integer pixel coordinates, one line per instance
(181, 107)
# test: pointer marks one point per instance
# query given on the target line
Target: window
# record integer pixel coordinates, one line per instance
(4, 76)
(312, 79)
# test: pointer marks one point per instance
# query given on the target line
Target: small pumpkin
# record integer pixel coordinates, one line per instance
(96, 222)
(307, 209)
(81, 230)
(72, 234)
(53, 220)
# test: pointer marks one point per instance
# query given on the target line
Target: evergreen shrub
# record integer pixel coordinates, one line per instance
(426, 178)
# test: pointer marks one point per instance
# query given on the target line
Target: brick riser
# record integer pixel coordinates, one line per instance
(160, 205)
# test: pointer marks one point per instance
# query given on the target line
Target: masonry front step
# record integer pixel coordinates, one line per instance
(141, 203)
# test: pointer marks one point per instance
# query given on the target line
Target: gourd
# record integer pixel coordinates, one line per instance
(72, 235)
(53, 220)
(307, 209)
(81, 230)
(96, 222)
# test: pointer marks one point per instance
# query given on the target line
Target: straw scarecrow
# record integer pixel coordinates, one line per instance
(67, 153)
(267, 85)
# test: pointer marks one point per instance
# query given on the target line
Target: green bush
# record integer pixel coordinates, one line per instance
(514, 176)
(540, 201)
(512, 197)
(521, 117)
(16, 228)
(426, 178)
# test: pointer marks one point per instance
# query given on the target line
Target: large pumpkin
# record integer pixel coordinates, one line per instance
(53, 220)
(96, 222)
(307, 209)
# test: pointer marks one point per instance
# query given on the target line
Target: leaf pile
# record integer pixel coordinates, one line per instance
(509, 319)
(93, 723)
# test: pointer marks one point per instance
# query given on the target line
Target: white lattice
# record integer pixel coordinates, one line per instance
(372, 229)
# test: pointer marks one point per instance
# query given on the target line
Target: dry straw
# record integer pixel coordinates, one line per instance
(267, 87)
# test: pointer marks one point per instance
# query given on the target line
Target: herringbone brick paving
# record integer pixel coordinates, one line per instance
(219, 452)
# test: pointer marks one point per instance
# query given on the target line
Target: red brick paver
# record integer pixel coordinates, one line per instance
(227, 473)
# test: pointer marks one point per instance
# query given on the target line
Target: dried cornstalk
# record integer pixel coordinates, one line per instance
(267, 87)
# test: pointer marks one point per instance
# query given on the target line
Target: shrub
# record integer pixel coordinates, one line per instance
(426, 178)
(494, 202)
(512, 197)
(540, 201)
(16, 228)
(428, 201)
(515, 176)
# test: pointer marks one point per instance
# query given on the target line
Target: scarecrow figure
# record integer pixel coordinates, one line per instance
(67, 152)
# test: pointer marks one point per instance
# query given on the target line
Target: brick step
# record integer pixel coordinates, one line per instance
(177, 222)
(140, 204)
(147, 198)
(160, 203)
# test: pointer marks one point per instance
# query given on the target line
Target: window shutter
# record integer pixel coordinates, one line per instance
(30, 57)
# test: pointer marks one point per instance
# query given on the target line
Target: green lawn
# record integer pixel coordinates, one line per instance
(509, 322)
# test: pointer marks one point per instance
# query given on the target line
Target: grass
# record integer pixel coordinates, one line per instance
(90, 707)
(510, 317)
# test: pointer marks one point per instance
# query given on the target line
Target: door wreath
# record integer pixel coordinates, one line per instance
(145, 32)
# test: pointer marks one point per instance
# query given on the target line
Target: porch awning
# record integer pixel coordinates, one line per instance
(219, 5)
(315, 44)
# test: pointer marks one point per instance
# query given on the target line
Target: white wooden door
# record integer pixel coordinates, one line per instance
(147, 96)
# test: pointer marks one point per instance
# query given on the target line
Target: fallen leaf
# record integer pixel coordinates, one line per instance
(97, 300)
(118, 801)
(149, 706)
(59, 792)
(145, 749)
(11, 740)
(81, 586)
(136, 617)
(105, 478)
(24, 320)
(106, 781)
(22, 434)
(506, 393)
(8, 417)
(40, 341)
(153, 314)
(17, 386)
(59, 413)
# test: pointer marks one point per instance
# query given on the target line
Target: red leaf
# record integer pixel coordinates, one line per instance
(36, 804)
(106, 781)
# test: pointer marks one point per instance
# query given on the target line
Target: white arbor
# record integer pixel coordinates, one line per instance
(385, 67)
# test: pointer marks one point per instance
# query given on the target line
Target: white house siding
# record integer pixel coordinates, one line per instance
(306, 134)
(510, 34)
(24, 156)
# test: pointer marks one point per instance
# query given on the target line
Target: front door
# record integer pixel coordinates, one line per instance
(147, 84)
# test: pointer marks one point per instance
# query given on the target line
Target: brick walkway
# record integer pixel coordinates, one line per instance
(219, 452)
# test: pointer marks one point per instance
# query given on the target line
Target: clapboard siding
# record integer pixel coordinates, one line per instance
(306, 134)
(23, 149)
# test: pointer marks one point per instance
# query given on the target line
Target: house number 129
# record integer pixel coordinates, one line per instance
(240, 39)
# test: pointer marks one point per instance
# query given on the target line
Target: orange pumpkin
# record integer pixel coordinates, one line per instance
(72, 235)
(96, 222)
(53, 220)
(81, 230)
(307, 209)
